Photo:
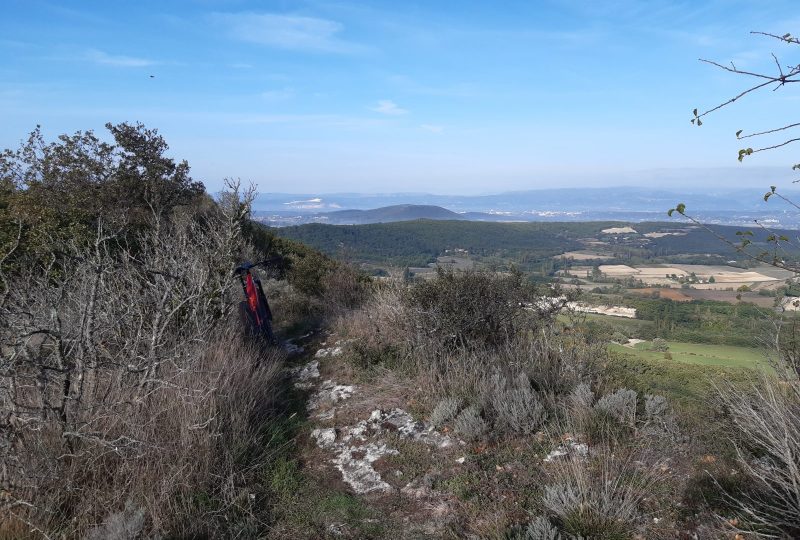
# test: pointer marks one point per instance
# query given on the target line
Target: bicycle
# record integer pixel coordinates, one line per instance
(254, 310)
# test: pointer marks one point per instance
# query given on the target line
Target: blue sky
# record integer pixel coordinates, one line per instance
(437, 96)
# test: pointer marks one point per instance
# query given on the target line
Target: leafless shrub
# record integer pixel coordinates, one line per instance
(621, 405)
(344, 287)
(516, 406)
(380, 322)
(766, 421)
(581, 397)
(445, 410)
(554, 365)
(578, 410)
(470, 424)
(121, 384)
(554, 362)
(125, 524)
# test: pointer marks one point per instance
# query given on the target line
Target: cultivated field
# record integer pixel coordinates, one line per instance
(619, 230)
(584, 255)
(724, 277)
(732, 297)
(676, 295)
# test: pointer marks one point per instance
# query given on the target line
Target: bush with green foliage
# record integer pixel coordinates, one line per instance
(58, 193)
(470, 309)
(659, 344)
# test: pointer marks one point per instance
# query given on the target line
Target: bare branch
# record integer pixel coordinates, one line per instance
(786, 37)
(784, 143)
(767, 132)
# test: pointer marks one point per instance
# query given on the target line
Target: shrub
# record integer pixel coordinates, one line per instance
(660, 345)
(579, 411)
(344, 287)
(470, 424)
(581, 397)
(599, 426)
(655, 407)
(767, 423)
(445, 410)
(516, 406)
(621, 405)
(597, 500)
(538, 529)
(468, 309)
(619, 337)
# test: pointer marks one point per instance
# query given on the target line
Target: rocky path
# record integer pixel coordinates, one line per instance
(360, 434)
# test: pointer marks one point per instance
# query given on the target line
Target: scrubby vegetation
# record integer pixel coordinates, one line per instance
(132, 406)
(625, 447)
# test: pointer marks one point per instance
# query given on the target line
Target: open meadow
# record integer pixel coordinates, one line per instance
(699, 353)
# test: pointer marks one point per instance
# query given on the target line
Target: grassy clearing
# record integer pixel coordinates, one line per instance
(700, 354)
(688, 386)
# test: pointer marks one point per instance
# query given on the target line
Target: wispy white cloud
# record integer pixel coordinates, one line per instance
(387, 106)
(291, 32)
(105, 59)
(432, 128)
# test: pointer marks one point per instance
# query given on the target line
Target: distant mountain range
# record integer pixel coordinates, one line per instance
(633, 204)
(388, 214)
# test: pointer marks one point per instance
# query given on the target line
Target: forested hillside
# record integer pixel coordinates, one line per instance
(415, 243)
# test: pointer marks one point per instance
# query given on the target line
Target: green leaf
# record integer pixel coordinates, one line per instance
(699, 122)
(767, 195)
(694, 112)
(770, 238)
(681, 208)
(772, 189)
(783, 238)
(739, 133)
(670, 211)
